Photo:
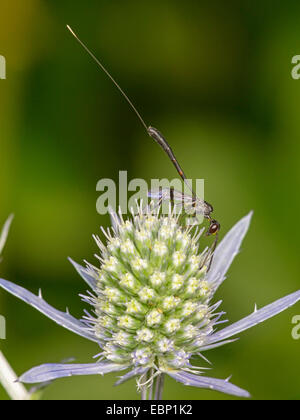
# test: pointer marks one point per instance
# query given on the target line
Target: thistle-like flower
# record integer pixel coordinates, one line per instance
(152, 304)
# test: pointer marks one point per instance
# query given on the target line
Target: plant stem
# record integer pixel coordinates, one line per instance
(8, 378)
(153, 388)
(159, 387)
(144, 387)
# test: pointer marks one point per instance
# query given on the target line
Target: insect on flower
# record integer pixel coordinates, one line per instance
(193, 204)
(152, 314)
(152, 310)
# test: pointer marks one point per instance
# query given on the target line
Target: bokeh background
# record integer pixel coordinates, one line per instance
(215, 78)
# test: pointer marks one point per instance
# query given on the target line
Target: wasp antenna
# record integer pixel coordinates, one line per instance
(108, 75)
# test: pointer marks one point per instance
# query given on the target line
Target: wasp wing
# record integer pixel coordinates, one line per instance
(176, 198)
(169, 194)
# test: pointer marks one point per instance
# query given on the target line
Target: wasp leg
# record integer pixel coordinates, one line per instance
(210, 254)
(212, 251)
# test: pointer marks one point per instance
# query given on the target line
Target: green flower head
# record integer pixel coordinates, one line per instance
(152, 299)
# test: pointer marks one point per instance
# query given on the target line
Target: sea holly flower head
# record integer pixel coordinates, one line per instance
(152, 303)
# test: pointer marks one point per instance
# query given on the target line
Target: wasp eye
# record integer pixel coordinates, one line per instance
(214, 227)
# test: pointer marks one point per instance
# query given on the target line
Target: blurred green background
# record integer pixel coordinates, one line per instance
(216, 80)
